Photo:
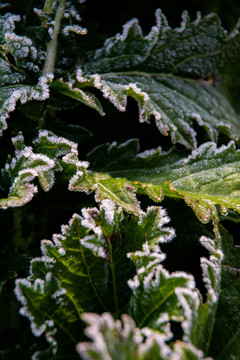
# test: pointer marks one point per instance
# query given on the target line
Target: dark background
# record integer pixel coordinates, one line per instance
(109, 16)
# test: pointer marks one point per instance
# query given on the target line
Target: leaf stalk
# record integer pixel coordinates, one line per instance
(49, 66)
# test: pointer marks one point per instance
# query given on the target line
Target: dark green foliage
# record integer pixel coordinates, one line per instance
(117, 282)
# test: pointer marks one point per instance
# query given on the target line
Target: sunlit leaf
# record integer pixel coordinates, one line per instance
(207, 177)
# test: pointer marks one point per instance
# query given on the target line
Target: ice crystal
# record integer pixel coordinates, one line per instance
(75, 29)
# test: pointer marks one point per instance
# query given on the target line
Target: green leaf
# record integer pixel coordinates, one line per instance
(197, 48)
(205, 323)
(44, 303)
(86, 98)
(171, 74)
(122, 340)
(21, 171)
(20, 47)
(118, 190)
(207, 177)
(27, 165)
(225, 340)
(10, 94)
(86, 268)
(15, 84)
(154, 302)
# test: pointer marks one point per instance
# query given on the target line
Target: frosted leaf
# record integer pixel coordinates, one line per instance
(187, 351)
(7, 25)
(86, 98)
(108, 206)
(4, 5)
(105, 187)
(174, 102)
(75, 29)
(87, 271)
(23, 169)
(8, 76)
(71, 12)
(170, 73)
(121, 339)
(42, 162)
(153, 287)
(20, 47)
(200, 317)
(209, 176)
(10, 95)
(196, 48)
(43, 289)
(54, 146)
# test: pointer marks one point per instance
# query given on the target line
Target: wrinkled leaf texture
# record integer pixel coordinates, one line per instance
(85, 268)
(173, 74)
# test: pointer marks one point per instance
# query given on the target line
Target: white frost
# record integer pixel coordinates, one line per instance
(75, 29)
(108, 206)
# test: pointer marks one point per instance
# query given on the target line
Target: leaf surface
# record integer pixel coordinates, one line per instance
(15, 84)
(29, 163)
(86, 268)
(228, 309)
(171, 73)
(205, 324)
(121, 339)
(154, 302)
(207, 177)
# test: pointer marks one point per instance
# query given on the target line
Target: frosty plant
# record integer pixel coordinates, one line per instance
(146, 268)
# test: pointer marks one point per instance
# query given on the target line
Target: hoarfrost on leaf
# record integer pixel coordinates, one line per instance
(75, 29)
(165, 73)
(10, 95)
(115, 339)
(21, 48)
(207, 177)
(200, 317)
(41, 161)
(90, 253)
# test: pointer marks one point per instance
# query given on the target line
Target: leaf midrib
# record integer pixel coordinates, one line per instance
(155, 307)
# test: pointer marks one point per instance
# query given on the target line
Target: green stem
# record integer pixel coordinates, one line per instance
(48, 6)
(49, 65)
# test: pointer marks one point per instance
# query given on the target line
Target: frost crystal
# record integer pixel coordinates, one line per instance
(26, 165)
(7, 25)
(75, 29)
(101, 327)
(157, 70)
(23, 93)
(109, 209)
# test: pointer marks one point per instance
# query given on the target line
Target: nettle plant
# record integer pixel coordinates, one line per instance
(119, 281)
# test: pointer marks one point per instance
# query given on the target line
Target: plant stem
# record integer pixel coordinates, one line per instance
(48, 6)
(51, 55)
